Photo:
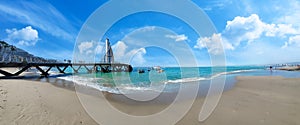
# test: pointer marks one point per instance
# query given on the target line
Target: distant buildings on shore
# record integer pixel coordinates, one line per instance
(287, 65)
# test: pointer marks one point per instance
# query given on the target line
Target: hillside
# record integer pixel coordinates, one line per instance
(10, 53)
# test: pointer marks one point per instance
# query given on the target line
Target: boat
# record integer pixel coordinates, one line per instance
(141, 71)
(158, 69)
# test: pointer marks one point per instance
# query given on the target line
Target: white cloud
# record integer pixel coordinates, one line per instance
(216, 4)
(90, 50)
(293, 41)
(85, 47)
(280, 30)
(99, 48)
(138, 56)
(178, 38)
(137, 41)
(250, 28)
(26, 36)
(266, 36)
(123, 54)
(214, 44)
(286, 44)
(146, 29)
(286, 12)
(119, 49)
(39, 14)
(243, 29)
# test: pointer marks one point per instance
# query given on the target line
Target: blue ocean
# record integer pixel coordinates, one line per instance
(170, 78)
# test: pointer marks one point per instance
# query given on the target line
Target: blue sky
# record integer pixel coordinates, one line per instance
(251, 32)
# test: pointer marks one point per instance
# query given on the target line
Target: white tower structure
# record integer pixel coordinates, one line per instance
(109, 56)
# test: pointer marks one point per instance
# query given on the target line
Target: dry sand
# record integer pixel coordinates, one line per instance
(39, 103)
(253, 101)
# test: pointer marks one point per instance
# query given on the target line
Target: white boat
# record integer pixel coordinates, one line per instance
(156, 68)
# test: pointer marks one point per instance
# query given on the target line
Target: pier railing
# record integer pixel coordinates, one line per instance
(61, 67)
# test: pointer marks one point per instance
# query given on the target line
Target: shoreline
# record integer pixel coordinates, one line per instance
(290, 68)
(268, 100)
(253, 100)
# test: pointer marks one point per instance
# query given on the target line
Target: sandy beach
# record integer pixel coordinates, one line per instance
(254, 100)
(39, 103)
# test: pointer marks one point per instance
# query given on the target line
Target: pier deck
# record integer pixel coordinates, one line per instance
(61, 67)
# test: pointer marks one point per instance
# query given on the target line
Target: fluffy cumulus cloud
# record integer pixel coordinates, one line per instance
(137, 56)
(123, 53)
(251, 28)
(99, 48)
(26, 36)
(214, 44)
(280, 30)
(90, 50)
(279, 12)
(243, 29)
(293, 41)
(90, 47)
(84, 47)
(178, 38)
(119, 49)
(247, 29)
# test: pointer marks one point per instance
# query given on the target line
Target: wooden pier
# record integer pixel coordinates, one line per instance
(61, 67)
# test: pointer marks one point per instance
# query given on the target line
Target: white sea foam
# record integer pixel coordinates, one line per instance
(183, 80)
(128, 88)
(92, 82)
(194, 79)
(231, 72)
(134, 89)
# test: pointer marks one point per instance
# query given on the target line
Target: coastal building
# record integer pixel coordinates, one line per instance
(109, 56)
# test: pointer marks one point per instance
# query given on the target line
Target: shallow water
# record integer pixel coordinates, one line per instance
(168, 81)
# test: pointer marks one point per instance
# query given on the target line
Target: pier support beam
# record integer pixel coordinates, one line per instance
(89, 70)
(43, 73)
(62, 70)
(93, 67)
(22, 70)
(76, 70)
(6, 73)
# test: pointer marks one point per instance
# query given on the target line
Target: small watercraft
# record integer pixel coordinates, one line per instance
(141, 71)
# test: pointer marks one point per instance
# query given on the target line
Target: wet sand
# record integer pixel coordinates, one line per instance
(253, 100)
(256, 100)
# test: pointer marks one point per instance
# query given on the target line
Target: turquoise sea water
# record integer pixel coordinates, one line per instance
(171, 78)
